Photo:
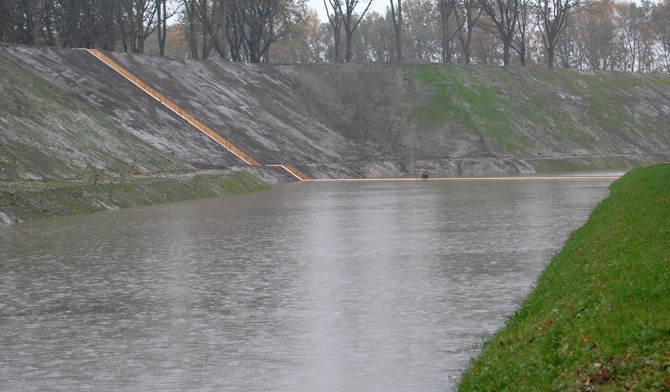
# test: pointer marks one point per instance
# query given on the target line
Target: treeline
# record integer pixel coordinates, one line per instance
(581, 34)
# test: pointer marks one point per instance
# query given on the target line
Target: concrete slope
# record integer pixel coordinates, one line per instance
(92, 82)
(84, 77)
(250, 106)
(374, 120)
(45, 134)
(531, 116)
(254, 107)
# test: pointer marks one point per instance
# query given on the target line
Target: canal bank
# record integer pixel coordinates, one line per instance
(58, 157)
(29, 200)
(598, 319)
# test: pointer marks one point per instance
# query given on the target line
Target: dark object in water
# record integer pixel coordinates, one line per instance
(424, 173)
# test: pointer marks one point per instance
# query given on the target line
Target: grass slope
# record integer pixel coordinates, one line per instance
(534, 112)
(599, 318)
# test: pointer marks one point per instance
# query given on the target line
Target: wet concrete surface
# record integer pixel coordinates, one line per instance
(375, 286)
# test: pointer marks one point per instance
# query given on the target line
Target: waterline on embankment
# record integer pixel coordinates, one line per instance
(29, 200)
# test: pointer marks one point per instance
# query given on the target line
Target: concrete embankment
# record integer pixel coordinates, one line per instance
(463, 119)
(598, 319)
(59, 157)
(374, 120)
(254, 108)
(65, 115)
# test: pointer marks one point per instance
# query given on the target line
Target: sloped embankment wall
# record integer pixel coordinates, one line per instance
(60, 157)
(536, 118)
(250, 106)
(372, 120)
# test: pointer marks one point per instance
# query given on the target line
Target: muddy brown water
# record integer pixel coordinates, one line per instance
(365, 286)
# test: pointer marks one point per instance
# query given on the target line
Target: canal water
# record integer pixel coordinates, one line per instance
(355, 286)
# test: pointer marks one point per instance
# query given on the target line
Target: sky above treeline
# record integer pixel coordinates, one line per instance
(377, 5)
(381, 5)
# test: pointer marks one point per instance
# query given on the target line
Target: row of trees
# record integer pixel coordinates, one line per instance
(599, 34)
(608, 35)
(102, 24)
(241, 30)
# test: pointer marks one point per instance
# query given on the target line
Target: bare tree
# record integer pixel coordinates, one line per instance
(163, 13)
(519, 43)
(661, 21)
(397, 26)
(447, 9)
(211, 19)
(136, 20)
(350, 23)
(190, 19)
(256, 24)
(504, 15)
(467, 16)
(553, 18)
(335, 18)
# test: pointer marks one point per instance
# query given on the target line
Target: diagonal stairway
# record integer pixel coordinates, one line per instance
(183, 114)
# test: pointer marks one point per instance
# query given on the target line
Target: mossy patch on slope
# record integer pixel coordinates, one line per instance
(30, 200)
(598, 319)
(476, 106)
(527, 111)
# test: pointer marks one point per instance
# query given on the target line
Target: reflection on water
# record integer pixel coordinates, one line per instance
(314, 286)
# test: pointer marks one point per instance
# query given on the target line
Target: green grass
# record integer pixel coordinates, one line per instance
(464, 98)
(599, 318)
(30, 200)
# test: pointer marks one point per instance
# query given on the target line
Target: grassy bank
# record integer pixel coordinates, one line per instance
(599, 318)
(29, 200)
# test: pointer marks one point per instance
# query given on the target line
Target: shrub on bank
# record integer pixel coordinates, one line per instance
(599, 318)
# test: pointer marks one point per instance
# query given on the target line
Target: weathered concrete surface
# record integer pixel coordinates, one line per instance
(255, 108)
(252, 107)
(459, 118)
(92, 82)
(60, 157)
(374, 120)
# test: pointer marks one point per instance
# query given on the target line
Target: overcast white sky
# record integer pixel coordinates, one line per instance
(377, 5)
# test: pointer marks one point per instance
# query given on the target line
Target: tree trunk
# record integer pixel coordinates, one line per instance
(446, 44)
(397, 27)
(506, 53)
(161, 11)
(350, 40)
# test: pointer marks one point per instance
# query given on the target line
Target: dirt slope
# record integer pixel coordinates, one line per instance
(370, 120)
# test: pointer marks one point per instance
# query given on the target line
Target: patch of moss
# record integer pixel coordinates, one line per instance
(467, 101)
(30, 200)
